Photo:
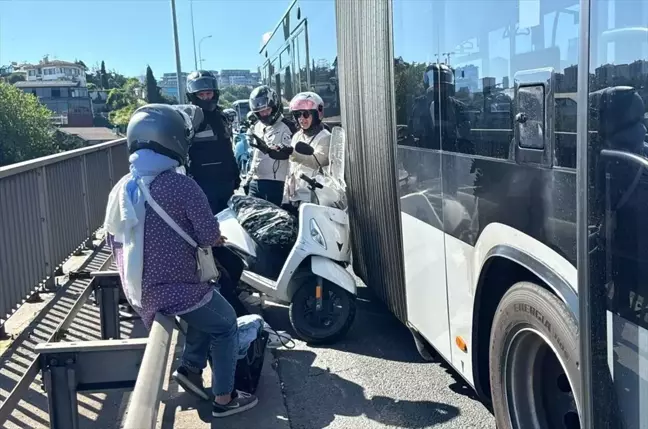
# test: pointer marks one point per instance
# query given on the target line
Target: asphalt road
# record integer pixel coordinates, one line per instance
(374, 378)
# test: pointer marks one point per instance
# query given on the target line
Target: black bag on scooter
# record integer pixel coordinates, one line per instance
(248, 369)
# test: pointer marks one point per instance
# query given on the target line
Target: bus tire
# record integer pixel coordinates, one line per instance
(534, 348)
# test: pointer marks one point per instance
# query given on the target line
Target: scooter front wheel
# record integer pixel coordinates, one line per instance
(324, 320)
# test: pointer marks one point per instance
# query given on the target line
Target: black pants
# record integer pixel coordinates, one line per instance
(269, 190)
(232, 268)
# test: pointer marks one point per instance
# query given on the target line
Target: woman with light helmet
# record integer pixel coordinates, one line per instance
(308, 110)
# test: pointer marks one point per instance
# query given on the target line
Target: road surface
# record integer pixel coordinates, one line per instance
(373, 379)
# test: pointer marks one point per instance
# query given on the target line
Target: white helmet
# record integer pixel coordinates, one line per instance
(308, 101)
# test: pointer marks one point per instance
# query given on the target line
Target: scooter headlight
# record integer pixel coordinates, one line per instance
(316, 234)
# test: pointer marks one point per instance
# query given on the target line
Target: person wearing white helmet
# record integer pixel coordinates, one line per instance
(308, 110)
(270, 137)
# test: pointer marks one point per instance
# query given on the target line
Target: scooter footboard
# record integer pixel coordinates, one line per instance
(325, 268)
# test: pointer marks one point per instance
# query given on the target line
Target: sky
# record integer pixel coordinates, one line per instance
(131, 34)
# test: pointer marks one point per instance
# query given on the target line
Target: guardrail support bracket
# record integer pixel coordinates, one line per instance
(107, 291)
(69, 368)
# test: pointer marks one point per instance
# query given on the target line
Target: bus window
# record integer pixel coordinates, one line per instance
(618, 214)
(301, 61)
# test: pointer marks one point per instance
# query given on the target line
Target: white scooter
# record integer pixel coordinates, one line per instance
(314, 279)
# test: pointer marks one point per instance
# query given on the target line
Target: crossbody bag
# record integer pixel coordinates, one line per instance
(205, 264)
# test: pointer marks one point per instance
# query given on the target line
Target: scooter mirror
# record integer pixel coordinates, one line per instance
(304, 148)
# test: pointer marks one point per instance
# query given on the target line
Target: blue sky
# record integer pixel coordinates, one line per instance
(129, 34)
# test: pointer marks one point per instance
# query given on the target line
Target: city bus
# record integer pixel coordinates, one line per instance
(508, 228)
(299, 54)
(512, 249)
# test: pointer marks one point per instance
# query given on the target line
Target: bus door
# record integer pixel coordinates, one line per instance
(613, 219)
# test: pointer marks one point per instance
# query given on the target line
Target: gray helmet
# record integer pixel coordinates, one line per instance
(162, 129)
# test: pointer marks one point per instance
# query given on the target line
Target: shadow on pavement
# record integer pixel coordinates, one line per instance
(376, 332)
(337, 396)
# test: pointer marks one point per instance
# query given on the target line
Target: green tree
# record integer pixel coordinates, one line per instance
(408, 82)
(25, 128)
(119, 98)
(104, 76)
(152, 89)
(64, 142)
(15, 77)
(116, 80)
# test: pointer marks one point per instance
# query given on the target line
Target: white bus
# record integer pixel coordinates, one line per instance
(498, 192)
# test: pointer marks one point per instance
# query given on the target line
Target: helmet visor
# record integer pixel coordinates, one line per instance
(259, 103)
(205, 83)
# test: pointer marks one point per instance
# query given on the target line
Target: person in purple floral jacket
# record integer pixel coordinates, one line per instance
(158, 267)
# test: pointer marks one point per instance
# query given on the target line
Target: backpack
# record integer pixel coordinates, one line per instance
(248, 368)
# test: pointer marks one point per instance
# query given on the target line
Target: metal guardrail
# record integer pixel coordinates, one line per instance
(145, 400)
(49, 207)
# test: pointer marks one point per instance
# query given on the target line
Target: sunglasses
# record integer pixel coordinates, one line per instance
(302, 113)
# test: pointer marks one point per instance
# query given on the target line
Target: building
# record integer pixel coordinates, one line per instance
(93, 135)
(169, 84)
(49, 70)
(61, 87)
(467, 77)
(238, 77)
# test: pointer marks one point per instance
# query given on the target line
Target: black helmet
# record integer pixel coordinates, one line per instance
(251, 118)
(440, 74)
(230, 114)
(161, 128)
(264, 97)
(202, 80)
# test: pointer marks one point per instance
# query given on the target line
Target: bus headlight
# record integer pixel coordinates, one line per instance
(316, 234)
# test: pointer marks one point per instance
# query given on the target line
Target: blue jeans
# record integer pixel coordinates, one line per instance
(269, 190)
(212, 327)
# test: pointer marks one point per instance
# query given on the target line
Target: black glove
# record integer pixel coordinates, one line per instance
(237, 182)
(281, 153)
(259, 144)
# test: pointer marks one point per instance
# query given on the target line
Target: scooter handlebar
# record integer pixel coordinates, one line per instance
(314, 183)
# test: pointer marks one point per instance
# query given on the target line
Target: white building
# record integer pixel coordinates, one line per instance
(48, 70)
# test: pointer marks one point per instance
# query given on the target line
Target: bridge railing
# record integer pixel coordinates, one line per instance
(49, 207)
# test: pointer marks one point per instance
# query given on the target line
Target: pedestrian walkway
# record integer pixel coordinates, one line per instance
(105, 410)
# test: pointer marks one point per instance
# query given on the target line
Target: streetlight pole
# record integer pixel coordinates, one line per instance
(177, 53)
(193, 34)
(200, 50)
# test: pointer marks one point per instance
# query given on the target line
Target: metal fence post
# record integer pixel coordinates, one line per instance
(86, 196)
(43, 207)
(60, 383)
(110, 168)
(107, 294)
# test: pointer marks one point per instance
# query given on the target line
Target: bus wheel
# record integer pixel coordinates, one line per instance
(534, 361)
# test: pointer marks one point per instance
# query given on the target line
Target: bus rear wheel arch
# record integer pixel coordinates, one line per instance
(533, 361)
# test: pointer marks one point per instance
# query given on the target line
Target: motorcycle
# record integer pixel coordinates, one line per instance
(313, 279)
(243, 151)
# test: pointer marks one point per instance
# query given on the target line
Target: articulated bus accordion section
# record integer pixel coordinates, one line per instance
(365, 69)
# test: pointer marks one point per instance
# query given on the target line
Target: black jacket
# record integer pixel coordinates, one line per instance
(211, 158)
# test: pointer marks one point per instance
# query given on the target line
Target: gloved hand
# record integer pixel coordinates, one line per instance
(280, 153)
(237, 182)
(259, 144)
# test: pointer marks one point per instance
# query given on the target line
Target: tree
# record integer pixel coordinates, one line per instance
(152, 90)
(408, 82)
(15, 77)
(25, 128)
(104, 76)
(119, 98)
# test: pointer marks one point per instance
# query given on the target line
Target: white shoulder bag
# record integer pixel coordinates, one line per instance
(206, 267)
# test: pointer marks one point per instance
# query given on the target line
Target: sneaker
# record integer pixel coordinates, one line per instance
(240, 402)
(191, 382)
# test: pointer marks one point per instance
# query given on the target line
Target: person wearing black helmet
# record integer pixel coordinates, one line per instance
(212, 163)
(271, 136)
(437, 116)
(155, 217)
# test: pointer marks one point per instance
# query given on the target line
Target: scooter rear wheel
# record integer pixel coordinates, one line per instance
(330, 323)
